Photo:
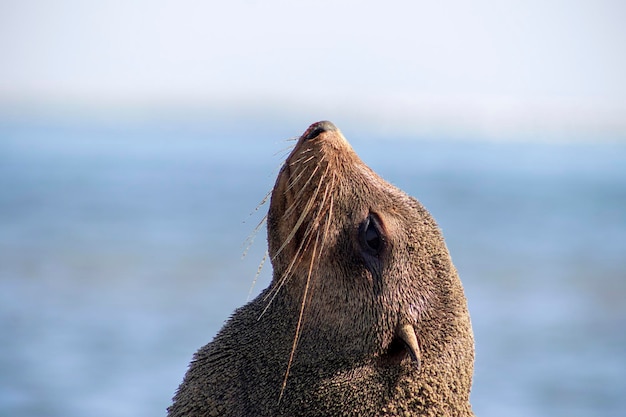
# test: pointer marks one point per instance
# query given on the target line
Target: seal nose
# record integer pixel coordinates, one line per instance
(318, 128)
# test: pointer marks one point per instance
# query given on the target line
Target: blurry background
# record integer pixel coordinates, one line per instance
(138, 138)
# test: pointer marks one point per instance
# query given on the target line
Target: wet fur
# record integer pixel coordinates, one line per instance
(322, 339)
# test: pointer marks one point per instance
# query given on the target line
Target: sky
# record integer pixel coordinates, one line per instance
(488, 67)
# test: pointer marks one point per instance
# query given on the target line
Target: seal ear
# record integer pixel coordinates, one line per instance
(406, 333)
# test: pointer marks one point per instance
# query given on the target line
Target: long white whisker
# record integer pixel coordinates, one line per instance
(258, 272)
(298, 326)
(284, 278)
(250, 239)
(302, 217)
(306, 237)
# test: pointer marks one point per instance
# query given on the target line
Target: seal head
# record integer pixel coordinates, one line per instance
(365, 314)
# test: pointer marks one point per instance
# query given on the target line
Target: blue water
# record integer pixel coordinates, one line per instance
(121, 254)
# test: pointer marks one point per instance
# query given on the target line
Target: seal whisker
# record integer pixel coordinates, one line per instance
(295, 228)
(250, 239)
(304, 213)
(303, 159)
(302, 152)
(283, 279)
(267, 196)
(258, 272)
(303, 189)
(301, 219)
(315, 257)
(329, 211)
(285, 151)
(317, 221)
(283, 155)
(309, 206)
(305, 240)
(294, 181)
(304, 245)
(298, 326)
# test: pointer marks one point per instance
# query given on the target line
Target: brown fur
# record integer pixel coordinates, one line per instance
(323, 339)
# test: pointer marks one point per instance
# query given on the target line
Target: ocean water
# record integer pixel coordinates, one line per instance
(121, 254)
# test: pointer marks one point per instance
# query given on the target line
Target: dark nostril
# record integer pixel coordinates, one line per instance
(318, 128)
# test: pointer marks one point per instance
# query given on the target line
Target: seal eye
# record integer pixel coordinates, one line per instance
(371, 236)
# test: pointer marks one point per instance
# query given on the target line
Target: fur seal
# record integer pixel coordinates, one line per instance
(365, 314)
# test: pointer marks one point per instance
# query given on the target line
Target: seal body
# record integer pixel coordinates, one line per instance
(365, 315)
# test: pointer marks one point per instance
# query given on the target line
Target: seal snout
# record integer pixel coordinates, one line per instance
(318, 128)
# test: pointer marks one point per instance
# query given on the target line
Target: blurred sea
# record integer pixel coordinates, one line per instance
(121, 254)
